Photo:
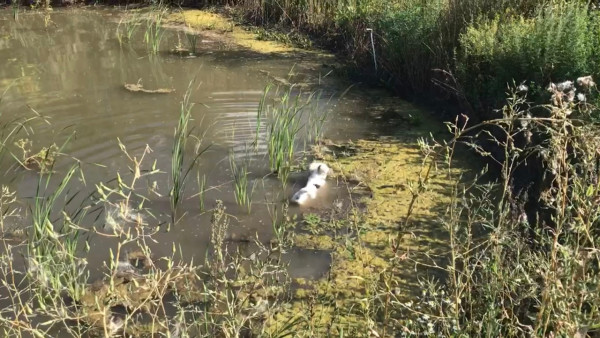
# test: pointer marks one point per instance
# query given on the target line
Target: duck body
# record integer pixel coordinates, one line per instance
(303, 195)
(317, 178)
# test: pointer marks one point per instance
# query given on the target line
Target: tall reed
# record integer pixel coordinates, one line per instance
(284, 122)
(242, 188)
(201, 190)
(180, 170)
(128, 26)
(52, 259)
(154, 30)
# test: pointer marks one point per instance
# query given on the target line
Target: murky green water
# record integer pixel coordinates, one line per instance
(69, 67)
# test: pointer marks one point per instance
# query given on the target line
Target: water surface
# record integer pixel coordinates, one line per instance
(69, 67)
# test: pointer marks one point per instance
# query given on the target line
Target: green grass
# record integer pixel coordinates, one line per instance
(180, 165)
(154, 30)
(128, 26)
(295, 116)
(242, 188)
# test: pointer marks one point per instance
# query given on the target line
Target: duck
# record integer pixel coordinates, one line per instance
(317, 178)
(303, 195)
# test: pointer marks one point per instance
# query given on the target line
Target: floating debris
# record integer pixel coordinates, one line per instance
(139, 88)
(42, 161)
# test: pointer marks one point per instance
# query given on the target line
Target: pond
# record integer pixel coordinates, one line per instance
(70, 68)
(112, 107)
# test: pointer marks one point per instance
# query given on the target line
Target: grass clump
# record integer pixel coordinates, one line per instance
(243, 191)
(294, 117)
(154, 27)
(180, 167)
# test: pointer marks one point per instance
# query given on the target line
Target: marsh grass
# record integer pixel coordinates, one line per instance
(282, 224)
(201, 190)
(52, 250)
(191, 36)
(292, 118)
(192, 40)
(154, 27)
(128, 25)
(16, 7)
(180, 170)
(242, 188)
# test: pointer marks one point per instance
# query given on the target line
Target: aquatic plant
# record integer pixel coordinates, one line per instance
(154, 29)
(180, 170)
(284, 121)
(201, 190)
(53, 265)
(15, 9)
(242, 188)
(317, 116)
(192, 39)
(181, 135)
(190, 35)
(282, 224)
(128, 25)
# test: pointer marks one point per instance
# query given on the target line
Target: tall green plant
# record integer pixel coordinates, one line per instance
(180, 170)
(284, 122)
(154, 29)
(52, 249)
(243, 190)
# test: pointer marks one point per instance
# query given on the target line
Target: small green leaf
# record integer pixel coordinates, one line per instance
(590, 191)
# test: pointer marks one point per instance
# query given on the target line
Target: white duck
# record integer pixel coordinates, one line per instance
(304, 194)
(318, 174)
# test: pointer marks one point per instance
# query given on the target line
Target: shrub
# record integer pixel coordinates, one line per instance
(555, 43)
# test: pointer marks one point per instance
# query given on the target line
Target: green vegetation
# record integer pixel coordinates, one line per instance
(242, 189)
(154, 28)
(180, 165)
(463, 51)
(294, 117)
(481, 264)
